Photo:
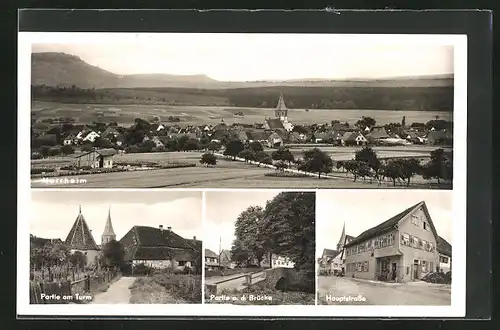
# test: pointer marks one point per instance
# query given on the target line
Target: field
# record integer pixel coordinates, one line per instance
(228, 174)
(201, 115)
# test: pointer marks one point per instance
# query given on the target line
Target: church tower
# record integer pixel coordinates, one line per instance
(109, 234)
(281, 112)
(340, 244)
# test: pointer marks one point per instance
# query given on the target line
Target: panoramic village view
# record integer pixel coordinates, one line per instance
(396, 255)
(261, 248)
(108, 248)
(191, 116)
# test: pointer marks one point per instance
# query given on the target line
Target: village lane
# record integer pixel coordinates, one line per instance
(117, 293)
(380, 293)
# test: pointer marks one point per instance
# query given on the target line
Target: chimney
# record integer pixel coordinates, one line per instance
(161, 227)
(194, 237)
(169, 228)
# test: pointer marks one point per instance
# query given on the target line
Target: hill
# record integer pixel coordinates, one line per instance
(60, 69)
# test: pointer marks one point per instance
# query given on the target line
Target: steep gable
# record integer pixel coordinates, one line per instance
(80, 236)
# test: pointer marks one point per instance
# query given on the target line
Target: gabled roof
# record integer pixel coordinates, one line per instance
(108, 131)
(155, 237)
(384, 226)
(80, 236)
(378, 133)
(443, 246)
(101, 152)
(330, 253)
(436, 135)
(225, 255)
(38, 242)
(350, 136)
(210, 254)
(196, 244)
(257, 135)
(274, 123)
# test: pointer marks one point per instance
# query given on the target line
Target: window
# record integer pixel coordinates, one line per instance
(421, 244)
(425, 225)
(182, 263)
(361, 248)
(424, 266)
(390, 239)
(377, 243)
(366, 266)
(405, 239)
(416, 242)
(414, 220)
(431, 247)
(443, 260)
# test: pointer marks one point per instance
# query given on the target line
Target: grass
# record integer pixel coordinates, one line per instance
(166, 289)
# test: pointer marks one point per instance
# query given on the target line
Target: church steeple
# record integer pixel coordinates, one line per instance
(340, 244)
(281, 111)
(109, 234)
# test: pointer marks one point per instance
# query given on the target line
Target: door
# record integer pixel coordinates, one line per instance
(101, 162)
(415, 269)
(394, 269)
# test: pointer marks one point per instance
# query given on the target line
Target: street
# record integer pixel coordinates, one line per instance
(330, 288)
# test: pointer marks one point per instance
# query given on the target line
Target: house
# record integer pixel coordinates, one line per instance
(274, 140)
(69, 140)
(439, 137)
(281, 262)
(80, 239)
(158, 248)
(211, 260)
(444, 250)
(377, 134)
(39, 242)
(281, 114)
(338, 261)
(225, 259)
(325, 262)
(110, 133)
(157, 141)
(91, 136)
(400, 249)
(257, 135)
(353, 138)
(100, 158)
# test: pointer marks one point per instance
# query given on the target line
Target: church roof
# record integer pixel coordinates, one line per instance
(281, 103)
(275, 124)
(80, 236)
(108, 229)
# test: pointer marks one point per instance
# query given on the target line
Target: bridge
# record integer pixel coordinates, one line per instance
(278, 278)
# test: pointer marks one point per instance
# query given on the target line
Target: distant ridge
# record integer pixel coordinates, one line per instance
(61, 69)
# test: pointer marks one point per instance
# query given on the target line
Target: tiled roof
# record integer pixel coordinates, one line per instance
(80, 236)
(443, 246)
(383, 227)
(378, 133)
(196, 244)
(151, 237)
(210, 254)
(38, 242)
(274, 124)
(330, 253)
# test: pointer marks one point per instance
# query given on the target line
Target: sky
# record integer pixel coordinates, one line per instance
(53, 212)
(250, 57)
(363, 209)
(222, 210)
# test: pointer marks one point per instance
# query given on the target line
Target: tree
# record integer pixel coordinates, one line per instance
(113, 254)
(233, 148)
(365, 122)
(208, 159)
(283, 154)
(246, 154)
(263, 157)
(54, 151)
(78, 260)
(191, 144)
(281, 166)
(368, 156)
(439, 167)
(403, 121)
(288, 228)
(364, 170)
(256, 146)
(214, 146)
(316, 161)
(44, 151)
(393, 170)
(247, 231)
(408, 168)
(67, 150)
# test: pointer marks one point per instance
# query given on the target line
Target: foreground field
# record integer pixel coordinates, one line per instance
(204, 115)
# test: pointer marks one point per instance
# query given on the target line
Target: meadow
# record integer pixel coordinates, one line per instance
(204, 115)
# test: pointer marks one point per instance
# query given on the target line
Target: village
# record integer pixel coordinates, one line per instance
(146, 265)
(63, 148)
(401, 261)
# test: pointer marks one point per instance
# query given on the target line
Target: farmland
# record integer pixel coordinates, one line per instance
(205, 115)
(226, 174)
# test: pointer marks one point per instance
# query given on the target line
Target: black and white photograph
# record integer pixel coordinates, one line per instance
(259, 247)
(240, 111)
(115, 247)
(384, 247)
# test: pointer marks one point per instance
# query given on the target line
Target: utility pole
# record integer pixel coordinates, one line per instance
(220, 250)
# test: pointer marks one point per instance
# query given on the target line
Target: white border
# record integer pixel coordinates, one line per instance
(457, 307)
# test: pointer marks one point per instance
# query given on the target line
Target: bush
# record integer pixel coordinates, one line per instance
(36, 155)
(142, 269)
(287, 175)
(40, 170)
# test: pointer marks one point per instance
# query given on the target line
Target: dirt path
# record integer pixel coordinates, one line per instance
(117, 293)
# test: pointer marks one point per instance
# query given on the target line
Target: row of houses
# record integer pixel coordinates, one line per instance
(224, 261)
(406, 247)
(157, 248)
